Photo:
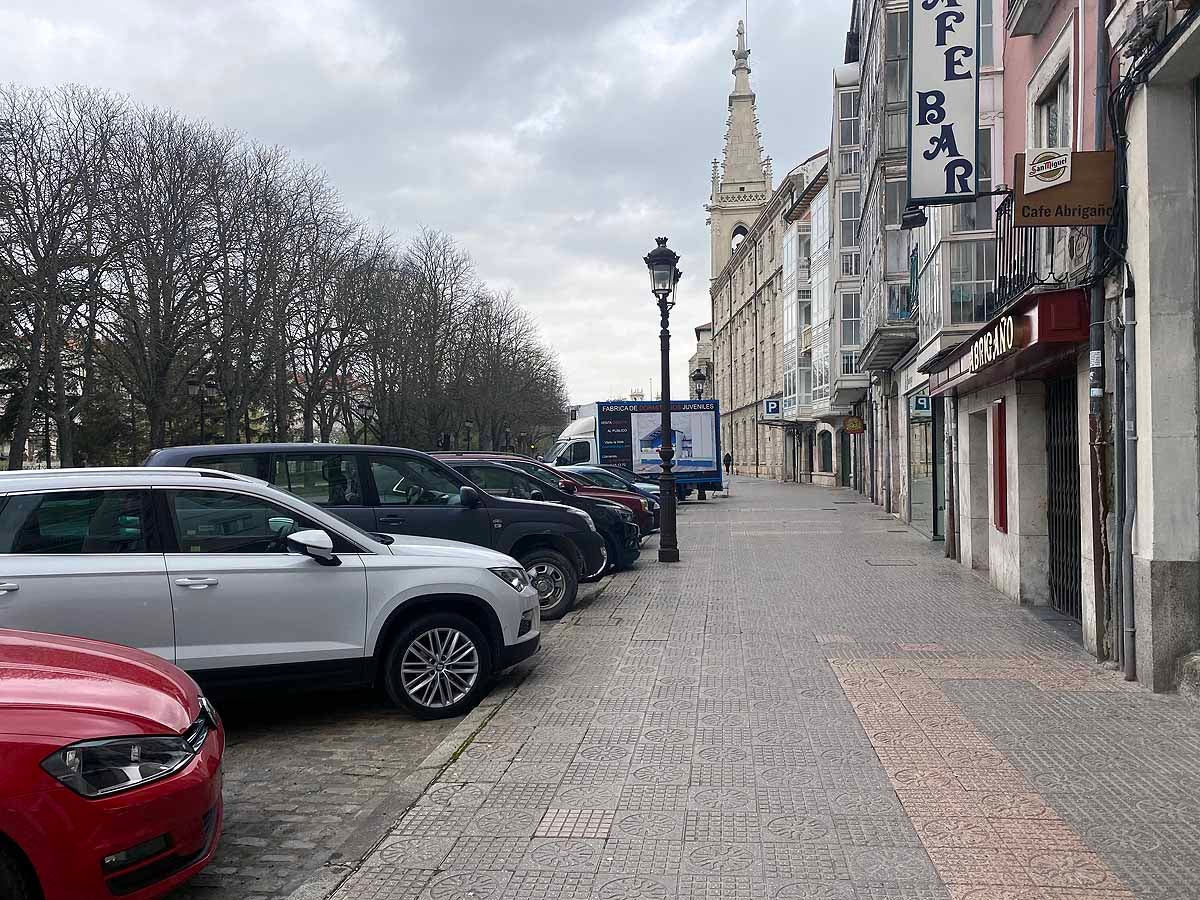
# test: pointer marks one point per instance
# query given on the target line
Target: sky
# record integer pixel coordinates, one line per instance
(554, 139)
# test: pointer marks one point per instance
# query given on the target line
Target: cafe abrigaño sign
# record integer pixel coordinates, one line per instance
(943, 100)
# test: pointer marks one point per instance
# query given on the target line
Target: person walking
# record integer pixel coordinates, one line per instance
(728, 462)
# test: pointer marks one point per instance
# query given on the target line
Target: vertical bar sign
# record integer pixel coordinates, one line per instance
(943, 100)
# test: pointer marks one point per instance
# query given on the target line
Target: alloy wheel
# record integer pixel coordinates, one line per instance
(550, 583)
(440, 667)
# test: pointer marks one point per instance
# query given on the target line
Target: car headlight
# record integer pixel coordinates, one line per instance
(516, 577)
(645, 506)
(100, 768)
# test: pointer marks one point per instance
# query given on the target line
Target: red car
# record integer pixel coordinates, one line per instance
(645, 511)
(110, 771)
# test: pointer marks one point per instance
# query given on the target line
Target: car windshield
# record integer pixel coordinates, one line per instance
(604, 479)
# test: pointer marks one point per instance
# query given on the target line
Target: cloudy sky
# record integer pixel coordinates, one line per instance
(554, 138)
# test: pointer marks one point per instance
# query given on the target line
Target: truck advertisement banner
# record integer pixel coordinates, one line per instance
(630, 435)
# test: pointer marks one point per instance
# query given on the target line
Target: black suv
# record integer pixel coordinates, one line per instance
(398, 491)
(614, 521)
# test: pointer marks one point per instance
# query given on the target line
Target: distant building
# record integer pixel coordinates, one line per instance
(701, 361)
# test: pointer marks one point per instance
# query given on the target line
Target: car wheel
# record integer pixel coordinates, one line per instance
(439, 666)
(16, 881)
(555, 579)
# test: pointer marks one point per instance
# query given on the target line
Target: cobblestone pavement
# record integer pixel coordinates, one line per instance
(309, 778)
(812, 704)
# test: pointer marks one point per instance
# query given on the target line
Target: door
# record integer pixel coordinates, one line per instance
(416, 496)
(843, 459)
(85, 563)
(332, 481)
(1062, 497)
(242, 600)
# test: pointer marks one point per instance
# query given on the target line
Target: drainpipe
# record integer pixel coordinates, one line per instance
(951, 480)
(1096, 330)
(1129, 629)
(1117, 571)
(887, 444)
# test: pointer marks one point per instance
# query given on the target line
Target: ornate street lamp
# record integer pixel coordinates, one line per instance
(203, 391)
(664, 276)
(699, 379)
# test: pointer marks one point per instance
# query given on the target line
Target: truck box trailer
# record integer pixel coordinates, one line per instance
(628, 433)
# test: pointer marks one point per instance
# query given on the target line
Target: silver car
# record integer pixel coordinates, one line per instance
(237, 582)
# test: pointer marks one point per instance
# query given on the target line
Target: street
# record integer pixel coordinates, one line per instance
(813, 703)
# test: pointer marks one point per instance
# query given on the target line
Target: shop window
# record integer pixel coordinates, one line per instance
(999, 467)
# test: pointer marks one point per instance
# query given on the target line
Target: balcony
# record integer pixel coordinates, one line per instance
(1027, 17)
(1029, 258)
(893, 336)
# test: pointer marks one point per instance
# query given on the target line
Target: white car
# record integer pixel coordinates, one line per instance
(237, 582)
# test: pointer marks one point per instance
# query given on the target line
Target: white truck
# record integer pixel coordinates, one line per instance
(627, 434)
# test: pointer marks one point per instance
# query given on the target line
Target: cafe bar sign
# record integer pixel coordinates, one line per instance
(1007, 334)
(943, 101)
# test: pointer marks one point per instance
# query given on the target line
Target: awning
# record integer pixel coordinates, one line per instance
(1036, 329)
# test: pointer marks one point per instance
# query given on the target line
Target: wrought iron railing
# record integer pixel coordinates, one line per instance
(1017, 256)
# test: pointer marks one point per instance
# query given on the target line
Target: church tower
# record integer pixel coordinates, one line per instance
(741, 183)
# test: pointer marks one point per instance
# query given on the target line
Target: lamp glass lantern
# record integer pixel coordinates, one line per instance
(662, 262)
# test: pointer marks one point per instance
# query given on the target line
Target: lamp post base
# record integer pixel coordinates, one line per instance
(668, 554)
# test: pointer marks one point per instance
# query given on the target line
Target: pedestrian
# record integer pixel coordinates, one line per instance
(728, 461)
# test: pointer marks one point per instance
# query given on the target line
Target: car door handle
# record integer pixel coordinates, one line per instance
(7, 587)
(196, 583)
(391, 520)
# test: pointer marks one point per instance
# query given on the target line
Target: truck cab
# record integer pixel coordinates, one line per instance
(576, 446)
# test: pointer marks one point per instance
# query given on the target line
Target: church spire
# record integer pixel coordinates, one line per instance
(743, 166)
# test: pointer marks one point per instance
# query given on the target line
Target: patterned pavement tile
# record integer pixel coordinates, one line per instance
(766, 721)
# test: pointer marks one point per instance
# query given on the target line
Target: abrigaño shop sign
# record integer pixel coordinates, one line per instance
(1009, 333)
(943, 100)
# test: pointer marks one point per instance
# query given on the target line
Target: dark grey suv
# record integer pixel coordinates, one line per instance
(395, 490)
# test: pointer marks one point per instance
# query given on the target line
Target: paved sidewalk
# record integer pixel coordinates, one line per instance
(813, 704)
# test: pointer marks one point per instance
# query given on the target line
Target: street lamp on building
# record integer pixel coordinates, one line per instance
(203, 391)
(699, 380)
(664, 276)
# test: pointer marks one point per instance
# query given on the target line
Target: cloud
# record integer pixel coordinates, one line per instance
(554, 138)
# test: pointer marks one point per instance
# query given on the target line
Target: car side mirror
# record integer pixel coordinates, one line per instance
(567, 486)
(538, 496)
(315, 544)
(469, 497)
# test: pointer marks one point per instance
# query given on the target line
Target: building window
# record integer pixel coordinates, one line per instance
(977, 216)
(895, 72)
(851, 263)
(825, 452)
(972, 272)
(849, 362)
(849, 207)
(986, 53)
(895, 196)
(851, 319)
(999, 467)
(848, 119)
(1052, 114)
(899, 297)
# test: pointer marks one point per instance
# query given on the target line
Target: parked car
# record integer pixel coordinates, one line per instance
(614, 522)
(110, 770)
(399, 491)
(643, 482)
(645, 510)
(603, 477)
(237, 582)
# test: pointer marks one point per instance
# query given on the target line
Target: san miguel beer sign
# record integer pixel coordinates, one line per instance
(1055, 186)
(943, 101)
